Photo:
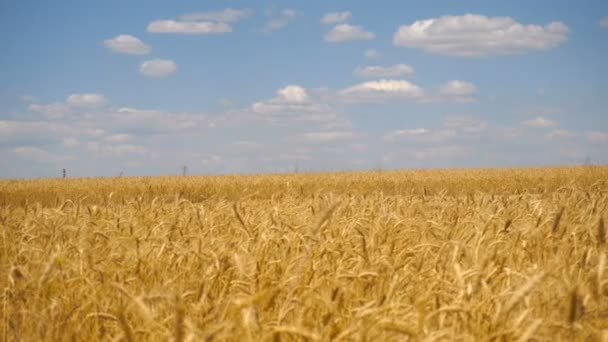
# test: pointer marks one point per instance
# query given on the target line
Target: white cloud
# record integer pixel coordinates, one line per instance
(510, 133)
(24, 131)
(70, 142)
(55, 110)
(381, 91)
(153, 121)
(597, 137)
(560, 134)
(292, 98)
(128, 44)
(188, 27)
(89, 100)
(477, 35)
(227, 15)
(158, 68)
(58, 110)
(465, 124)
(395, 135)
(122, 150)
(336, 17)
(118, 138)
(539, 122)
(106, 124)
(201, 22)
(442, 152)
(391, 86)
(294, 102)
(117, 150)
(421, 135)
(457, 90)
(37, 154)
(372, 54)
(289, 100)
(396, 70)
(604, 22)
(31, 152)
(327, 136)
(285, 17)
(211, 159)
(293, 94)
(95, 132)
(347, 32)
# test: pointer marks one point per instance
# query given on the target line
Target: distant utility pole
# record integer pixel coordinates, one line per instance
(184, 170)
(64, 172)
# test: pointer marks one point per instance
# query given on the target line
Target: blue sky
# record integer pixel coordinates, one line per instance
(144, 87)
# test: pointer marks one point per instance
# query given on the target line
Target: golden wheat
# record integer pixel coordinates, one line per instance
(480, 254)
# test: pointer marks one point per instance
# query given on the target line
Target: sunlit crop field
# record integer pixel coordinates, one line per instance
(493, 254)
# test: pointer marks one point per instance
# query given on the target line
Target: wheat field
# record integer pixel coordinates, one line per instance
(426, 255)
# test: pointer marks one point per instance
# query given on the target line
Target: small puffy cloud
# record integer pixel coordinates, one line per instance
(391, 86)
(188, 27)
(327, 136)
(421, 135)
(290, 99)
(381, 91)
(457, 88)
(294, 102)
(118, 138)
(372, 54)
(397, 70)
(128, 44)
(560, 134)
(200, 22)
(336, 17)
(89, 100)
(473, 35)
(285, 17)
(395, 135)
(227, 15)
(539, 122)
(604, 22)
(346, 32)
(293, 94)
(158, 68)
(597, 137)
(465, 124)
